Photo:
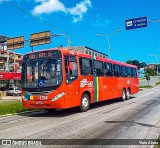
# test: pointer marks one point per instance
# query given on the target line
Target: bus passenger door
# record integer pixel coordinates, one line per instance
(71, 71)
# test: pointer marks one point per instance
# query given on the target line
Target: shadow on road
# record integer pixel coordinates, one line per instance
(132, 122)
(68, 112)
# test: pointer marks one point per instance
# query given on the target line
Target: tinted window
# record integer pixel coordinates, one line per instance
(129, 72)
(98, 68)
(124, 71)
(117, 70)
(86, 66)
(71, 68)
(134, 72)
(108, 69)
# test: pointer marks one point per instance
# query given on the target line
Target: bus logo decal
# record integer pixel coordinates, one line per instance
(84, 83)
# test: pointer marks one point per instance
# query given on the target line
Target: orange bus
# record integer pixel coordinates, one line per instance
(61, 78)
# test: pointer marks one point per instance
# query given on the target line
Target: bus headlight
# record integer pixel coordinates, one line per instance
(58, 96)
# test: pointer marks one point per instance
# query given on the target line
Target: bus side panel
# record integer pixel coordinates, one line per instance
(75, 90)
(135, 86)
(111, 88)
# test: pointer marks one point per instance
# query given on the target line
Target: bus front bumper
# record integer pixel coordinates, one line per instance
(47, 104)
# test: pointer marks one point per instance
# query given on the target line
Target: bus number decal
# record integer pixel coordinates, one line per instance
(84, 83)
(43, 98)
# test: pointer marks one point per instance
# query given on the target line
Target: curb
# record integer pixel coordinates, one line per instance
(6, 115)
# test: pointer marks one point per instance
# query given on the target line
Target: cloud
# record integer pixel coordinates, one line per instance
(48, 6)
(79, 10)
(102, 22)
(51, 6)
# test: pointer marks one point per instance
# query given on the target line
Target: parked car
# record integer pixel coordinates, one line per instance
(14, 91)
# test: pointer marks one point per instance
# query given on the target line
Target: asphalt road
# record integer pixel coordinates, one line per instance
(137, 118)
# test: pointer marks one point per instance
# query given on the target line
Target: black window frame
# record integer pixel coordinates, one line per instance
(124, 73)
(108, 72)
(99, 72)
(70, 77)
(129, 74)
(134, 72)
(117, 72)
(84, 68)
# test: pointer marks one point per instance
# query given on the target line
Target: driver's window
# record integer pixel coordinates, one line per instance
(71, 68)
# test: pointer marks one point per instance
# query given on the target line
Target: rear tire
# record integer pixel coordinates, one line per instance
(128, 94)
(123, 98)
(85, 103)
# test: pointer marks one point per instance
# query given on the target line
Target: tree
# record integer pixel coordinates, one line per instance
(150, 72)
(143, 64)
(137, 63)
(129, 62)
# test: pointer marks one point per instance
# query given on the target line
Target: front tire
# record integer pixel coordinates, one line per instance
(85, 103)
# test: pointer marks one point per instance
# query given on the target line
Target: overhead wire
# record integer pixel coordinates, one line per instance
(58, 28)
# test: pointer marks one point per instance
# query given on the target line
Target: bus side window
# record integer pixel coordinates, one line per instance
(129, 72)
(98, 68)
(124, 71)
(71, 68)
(134, 72)
(86, 66)
(108, 69)
(117, 71)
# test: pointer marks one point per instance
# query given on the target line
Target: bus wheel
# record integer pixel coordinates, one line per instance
(128, 94)
(85, 103)
(123, 95)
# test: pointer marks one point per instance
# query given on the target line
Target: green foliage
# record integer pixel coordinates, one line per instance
(146, 86)
(150, 72)
(11, 107)
(158, 140)
(129, 62)
(137, 63)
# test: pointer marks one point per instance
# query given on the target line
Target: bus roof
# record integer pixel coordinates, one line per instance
(78, 53)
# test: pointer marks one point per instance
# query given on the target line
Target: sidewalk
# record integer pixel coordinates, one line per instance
(10, 98)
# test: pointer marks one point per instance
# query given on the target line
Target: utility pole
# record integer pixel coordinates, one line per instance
(156, 57)
(107, 38)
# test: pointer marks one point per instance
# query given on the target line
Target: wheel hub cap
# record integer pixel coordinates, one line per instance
(84, 102)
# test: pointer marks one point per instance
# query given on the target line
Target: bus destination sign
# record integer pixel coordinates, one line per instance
(44, 54)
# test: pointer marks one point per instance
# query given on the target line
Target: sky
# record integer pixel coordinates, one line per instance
(81, 20)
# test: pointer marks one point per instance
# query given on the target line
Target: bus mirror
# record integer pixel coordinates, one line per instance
(70, 66)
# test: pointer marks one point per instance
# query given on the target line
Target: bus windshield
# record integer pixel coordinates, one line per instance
(41, 73)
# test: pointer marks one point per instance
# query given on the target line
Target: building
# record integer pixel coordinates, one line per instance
(10, 66)
(89, 50)
(151, 66)
(9, 61)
